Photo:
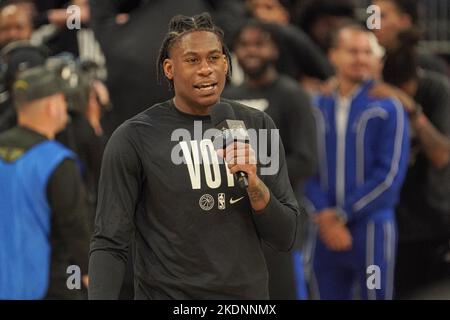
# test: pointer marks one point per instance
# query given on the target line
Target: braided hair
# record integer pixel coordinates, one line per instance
(181, 25)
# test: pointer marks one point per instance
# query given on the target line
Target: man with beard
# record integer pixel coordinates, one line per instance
(363, 154)
(290, 108)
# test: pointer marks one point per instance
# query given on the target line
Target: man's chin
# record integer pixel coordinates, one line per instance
(359, 78)
(254, 73)
(208, 101)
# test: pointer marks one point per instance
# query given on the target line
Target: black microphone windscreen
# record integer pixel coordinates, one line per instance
(224, 119)
(220, 112)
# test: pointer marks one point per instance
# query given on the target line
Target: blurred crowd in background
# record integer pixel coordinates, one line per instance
(112, 59)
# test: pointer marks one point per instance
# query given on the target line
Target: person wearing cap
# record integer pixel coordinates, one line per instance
(16, 56)
(42, 200)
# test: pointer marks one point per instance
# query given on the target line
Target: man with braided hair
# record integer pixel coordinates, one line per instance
(195, 234)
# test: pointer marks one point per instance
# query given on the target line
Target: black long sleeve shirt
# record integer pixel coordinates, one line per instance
(194, 233)
(424, 209)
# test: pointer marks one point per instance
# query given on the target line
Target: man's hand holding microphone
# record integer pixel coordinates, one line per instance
(239, 155)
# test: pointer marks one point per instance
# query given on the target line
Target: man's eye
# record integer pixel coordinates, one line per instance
(214, 58)
(191, 60)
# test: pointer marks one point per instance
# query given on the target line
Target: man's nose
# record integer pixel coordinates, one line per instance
(362, 56)
(205, 68)
(252, 49)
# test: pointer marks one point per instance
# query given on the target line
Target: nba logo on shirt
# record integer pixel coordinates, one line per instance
(221, 201)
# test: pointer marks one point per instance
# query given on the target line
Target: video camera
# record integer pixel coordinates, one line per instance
(79, 75)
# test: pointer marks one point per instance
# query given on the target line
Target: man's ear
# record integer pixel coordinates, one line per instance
(50, 106)
(226, 64)
(53, 104)
(168, 69)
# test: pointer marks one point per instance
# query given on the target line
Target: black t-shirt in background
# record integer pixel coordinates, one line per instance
(424, 209)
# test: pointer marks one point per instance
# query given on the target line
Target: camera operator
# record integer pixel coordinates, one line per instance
(43, 226)
(87, 99)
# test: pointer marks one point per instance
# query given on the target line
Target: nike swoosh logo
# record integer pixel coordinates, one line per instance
(235, 200)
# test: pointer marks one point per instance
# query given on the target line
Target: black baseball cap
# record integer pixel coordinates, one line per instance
(19, 56)
(40, 82)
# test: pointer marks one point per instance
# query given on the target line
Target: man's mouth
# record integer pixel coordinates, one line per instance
(206, 86)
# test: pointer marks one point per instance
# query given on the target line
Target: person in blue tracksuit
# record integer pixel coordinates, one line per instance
(42, 200)
(363, 149)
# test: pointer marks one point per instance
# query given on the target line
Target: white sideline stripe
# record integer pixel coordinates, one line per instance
(370, 254)
(394, 163)
(360, 135)
(390, 262)
(321, 144)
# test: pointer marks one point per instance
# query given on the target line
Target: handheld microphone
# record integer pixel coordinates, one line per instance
(223, 118)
